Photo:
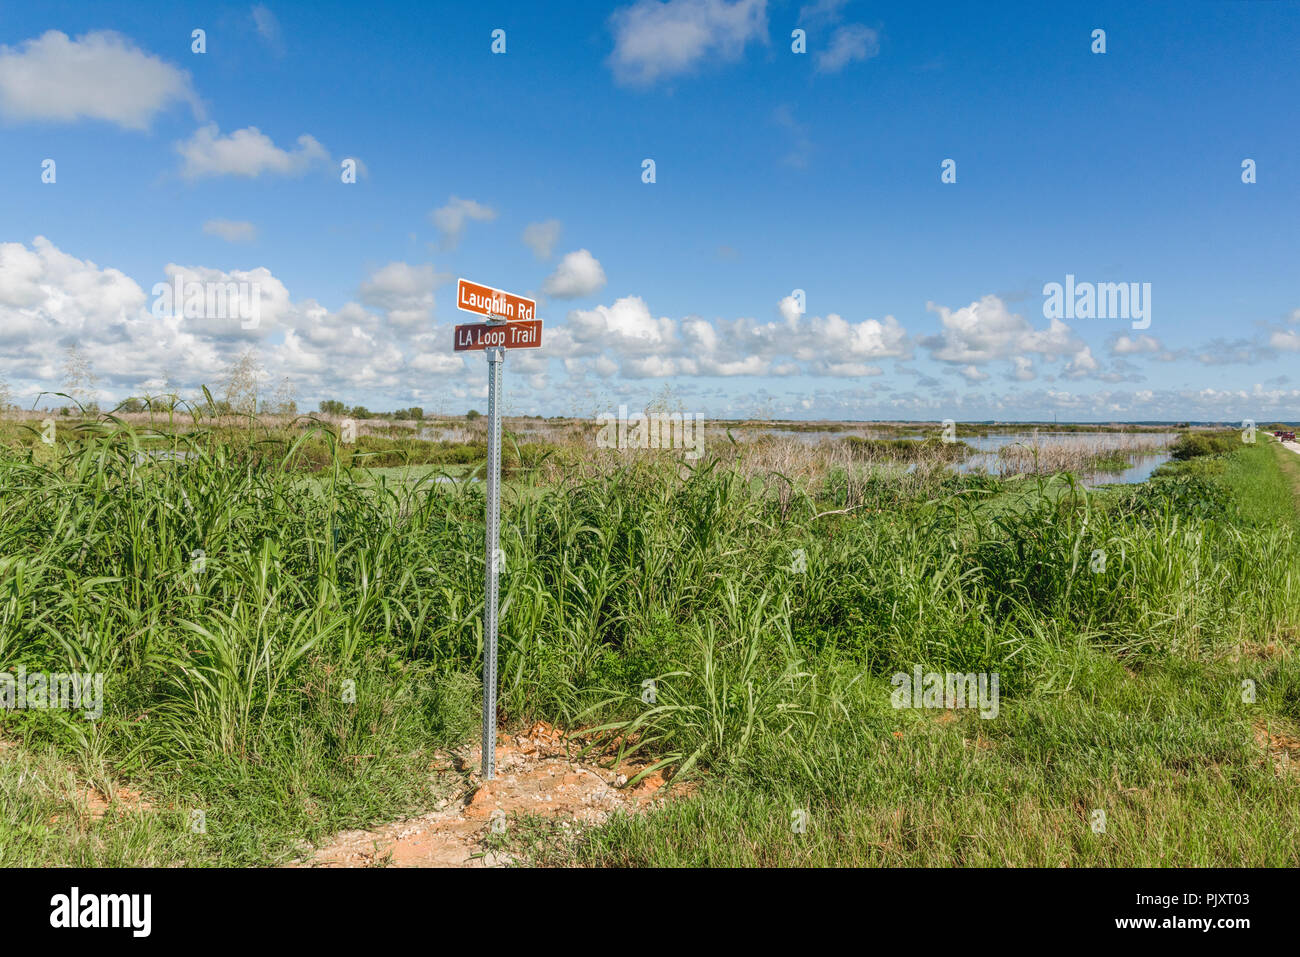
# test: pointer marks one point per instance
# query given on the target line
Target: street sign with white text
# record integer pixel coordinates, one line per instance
(475, 336)
(486, 301)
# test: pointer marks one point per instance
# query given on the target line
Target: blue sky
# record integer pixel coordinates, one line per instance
(775, 171)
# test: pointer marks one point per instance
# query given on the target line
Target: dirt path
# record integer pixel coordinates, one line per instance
(538, 774)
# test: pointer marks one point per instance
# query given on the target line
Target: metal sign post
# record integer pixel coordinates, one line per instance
(510, 324)
(496, 358)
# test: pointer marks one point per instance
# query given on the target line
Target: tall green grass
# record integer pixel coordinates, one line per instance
(288, 653)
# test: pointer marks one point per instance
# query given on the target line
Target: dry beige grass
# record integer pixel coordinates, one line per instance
(1076, 455)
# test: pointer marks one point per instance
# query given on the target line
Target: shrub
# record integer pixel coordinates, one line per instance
(1194, 444)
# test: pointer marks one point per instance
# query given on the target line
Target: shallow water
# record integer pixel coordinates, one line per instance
(1098, 441)
(987, 447)
(1134, 474)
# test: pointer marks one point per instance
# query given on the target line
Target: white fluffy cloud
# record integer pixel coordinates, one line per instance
(100, 75)
(542, 237)
(135, 342)
(248, 152)
(47, 296)
(1285, 339)
(1082, 364)
(987, 330)
(272, 301)
(1122, 345)
(1022, 369)
(868, 339)
(579, 274)
(50, 300)
(849, 43)
(1135, 345)
(627, 327)
(1288, 340)
(646, 346)
(437, 363)
(452, 218)
(654, 40)
(404, 291)
(268, 27)
(232, 231)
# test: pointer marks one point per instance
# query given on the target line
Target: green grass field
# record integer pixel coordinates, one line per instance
(230, 603)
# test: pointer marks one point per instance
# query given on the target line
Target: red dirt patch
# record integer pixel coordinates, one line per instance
(539, 773)
(1284, 749)
(124, 801)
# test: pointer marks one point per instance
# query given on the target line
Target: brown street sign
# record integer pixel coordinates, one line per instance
(511, 335)
(487, 301)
